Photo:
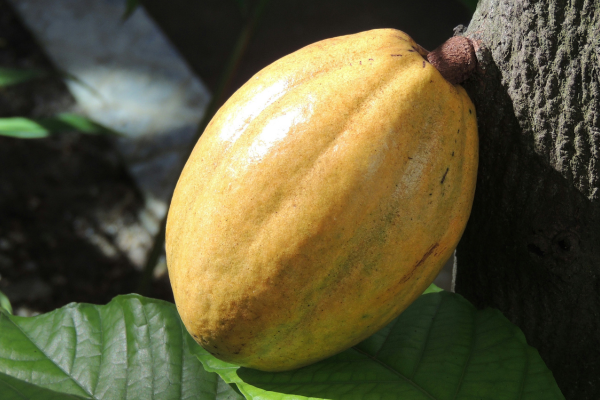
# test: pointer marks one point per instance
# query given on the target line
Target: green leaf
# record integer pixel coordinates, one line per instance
(433, 289)
(70, 122)
(13, 388)
(5, 303)
(130, 7)
(441, 347)
(11, 76)
(131, 348)
(25, 128)
(22, 128)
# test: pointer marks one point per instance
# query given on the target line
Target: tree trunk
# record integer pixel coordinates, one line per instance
(532, 245)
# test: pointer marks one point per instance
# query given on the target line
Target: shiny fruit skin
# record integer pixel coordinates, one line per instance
(321, 200)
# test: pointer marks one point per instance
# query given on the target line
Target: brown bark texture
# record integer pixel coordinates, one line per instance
(532, 245)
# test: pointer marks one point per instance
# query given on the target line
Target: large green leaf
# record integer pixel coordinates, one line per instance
(441, 347)
(11, 76)
(131, 348)
(25, 128)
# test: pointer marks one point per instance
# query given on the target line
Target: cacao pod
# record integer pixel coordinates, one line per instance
(322, 199)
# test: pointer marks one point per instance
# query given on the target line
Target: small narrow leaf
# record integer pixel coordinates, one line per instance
(11, 76)
(5, 303)
(22, 128)
(440, 348)
(73, 122)
(131, 348)
(25, 128)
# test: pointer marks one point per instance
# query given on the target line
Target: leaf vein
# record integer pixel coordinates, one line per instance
(150, 350)
(387, 336)
(429, 329)
(400, 375)
(471, 350)
(101, 352)
(15, 390)
(522, 388)
(69, 377)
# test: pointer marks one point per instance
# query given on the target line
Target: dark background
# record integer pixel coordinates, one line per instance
(52, 190)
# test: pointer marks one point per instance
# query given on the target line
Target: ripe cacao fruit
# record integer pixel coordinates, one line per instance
(322, 199)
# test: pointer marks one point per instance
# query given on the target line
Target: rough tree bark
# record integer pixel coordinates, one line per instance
(532, 245)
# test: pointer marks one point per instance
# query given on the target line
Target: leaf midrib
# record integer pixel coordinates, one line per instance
(394, 371)
(102, 349)
(15, 390)
(471, 350)
(429, 329)
(51, 360)
(150, 348)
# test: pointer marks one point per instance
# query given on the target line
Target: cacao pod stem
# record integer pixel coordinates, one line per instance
(455, 59)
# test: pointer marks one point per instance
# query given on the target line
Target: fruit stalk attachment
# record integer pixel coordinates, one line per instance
(455, 59)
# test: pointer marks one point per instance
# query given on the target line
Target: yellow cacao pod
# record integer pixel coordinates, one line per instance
(321, 200)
